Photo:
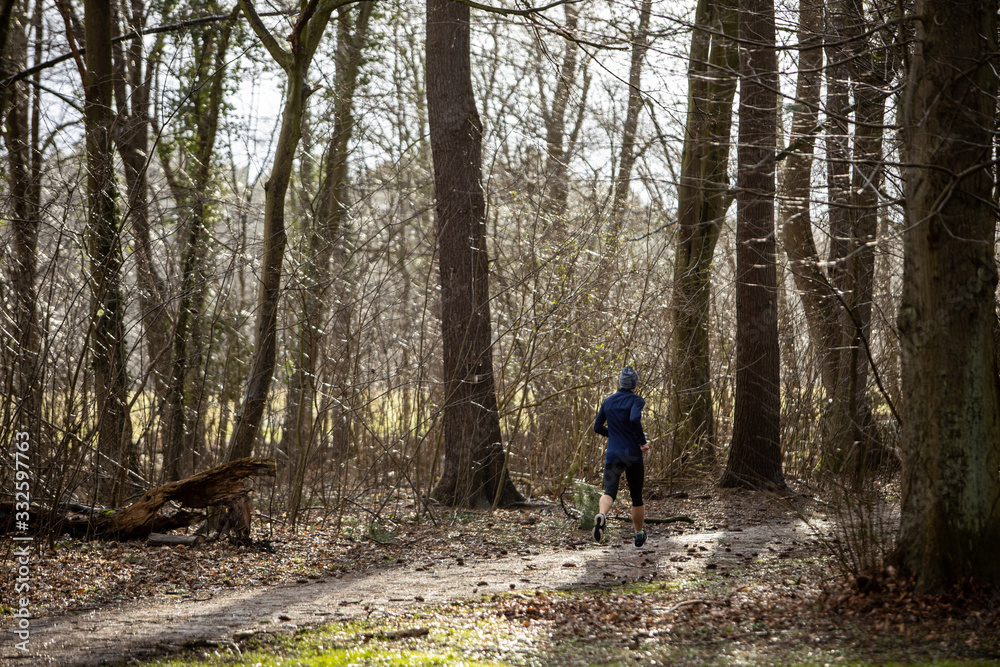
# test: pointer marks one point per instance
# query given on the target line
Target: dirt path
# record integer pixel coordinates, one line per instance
(118, 634)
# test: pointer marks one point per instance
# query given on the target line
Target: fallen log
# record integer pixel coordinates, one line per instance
(221, 486)
(210, 488)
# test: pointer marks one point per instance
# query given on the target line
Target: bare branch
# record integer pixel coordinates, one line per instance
(280, 55)
(135, 34)
(516, 12)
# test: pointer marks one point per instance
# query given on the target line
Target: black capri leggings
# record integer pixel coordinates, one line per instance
(634, 474)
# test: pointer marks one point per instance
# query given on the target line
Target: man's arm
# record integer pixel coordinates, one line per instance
(635, 420)
(599, 426)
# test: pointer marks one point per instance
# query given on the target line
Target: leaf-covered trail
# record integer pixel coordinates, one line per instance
(123, 632)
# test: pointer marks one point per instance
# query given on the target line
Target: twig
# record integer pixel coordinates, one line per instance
(516, 12)
(684, 604)
(566, 509)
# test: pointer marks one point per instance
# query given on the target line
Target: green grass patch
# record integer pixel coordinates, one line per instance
(448, 637)
(375, 655)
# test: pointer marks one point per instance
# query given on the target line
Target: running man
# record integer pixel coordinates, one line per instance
(620, 421)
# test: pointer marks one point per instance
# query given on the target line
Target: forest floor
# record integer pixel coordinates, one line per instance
(754, 580)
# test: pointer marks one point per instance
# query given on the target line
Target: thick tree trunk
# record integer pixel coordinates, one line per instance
(475, 469)
(950, 522)
(755, 455)
(114, 426)
(703, 200)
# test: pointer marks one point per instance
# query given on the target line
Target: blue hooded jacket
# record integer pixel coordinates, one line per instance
(622, 412)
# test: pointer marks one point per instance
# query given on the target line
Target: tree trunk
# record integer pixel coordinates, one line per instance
(795, 189)
(193, 200)
(326, 241)
(222, 485)
(838, 163)
(114, 425)
(850, 431)
(131, 134)
(950, 522)
(703, 200)
(475, 469)
(865, 449)
(839, 328)
(755, 455)
(23, 175)
(557, 154)
(623, 182)
(304, 40)
(837, 304)
(8, 10)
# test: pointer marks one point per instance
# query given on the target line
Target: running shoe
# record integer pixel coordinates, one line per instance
(640, 539)
(600, 521)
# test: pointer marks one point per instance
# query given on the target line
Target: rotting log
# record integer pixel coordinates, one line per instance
(217, 486)
(221, 486)
(239, 512)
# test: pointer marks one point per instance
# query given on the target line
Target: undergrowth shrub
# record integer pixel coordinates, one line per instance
(864, 522)
(587, 499)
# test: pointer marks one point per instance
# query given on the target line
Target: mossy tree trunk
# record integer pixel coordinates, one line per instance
(950, 520)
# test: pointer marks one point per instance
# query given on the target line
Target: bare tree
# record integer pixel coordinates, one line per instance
(795, 216)
(326, 244)
(558, 146)
(132, 84)
(24, 176)
(854, 171)
(191, 188)
(303, 41)
(623, 181)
